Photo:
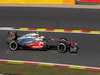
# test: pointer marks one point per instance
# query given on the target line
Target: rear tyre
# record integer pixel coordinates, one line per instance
(13, 45)
(62, 47)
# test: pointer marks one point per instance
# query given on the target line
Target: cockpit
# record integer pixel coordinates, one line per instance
(32, 36)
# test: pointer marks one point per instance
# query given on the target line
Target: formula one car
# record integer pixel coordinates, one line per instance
(34, 41)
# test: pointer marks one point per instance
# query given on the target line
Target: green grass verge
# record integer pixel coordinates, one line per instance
(42, 70)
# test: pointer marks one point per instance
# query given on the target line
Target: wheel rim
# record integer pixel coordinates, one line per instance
(61, 47)
(73, 50)
(13, 46)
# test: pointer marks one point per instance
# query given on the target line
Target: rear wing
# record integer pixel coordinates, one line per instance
(12, 35)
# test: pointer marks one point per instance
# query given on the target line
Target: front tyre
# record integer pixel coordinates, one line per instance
(62, 48)
(13, 45)
(64, 39)
(74, 49)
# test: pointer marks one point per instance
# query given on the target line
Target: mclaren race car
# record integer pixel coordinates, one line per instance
(35, 41)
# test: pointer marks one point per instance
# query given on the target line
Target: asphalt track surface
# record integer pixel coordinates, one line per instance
(88, 55)
(82, 19)
(67, 18)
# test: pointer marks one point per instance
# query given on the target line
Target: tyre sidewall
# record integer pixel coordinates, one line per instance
(13, 49)
(63, 38)
(73, 50)
(65, 47)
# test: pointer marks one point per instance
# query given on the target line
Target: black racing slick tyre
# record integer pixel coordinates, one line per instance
(64, 39)
(62, 48)
(13, 46)
(74, 50)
